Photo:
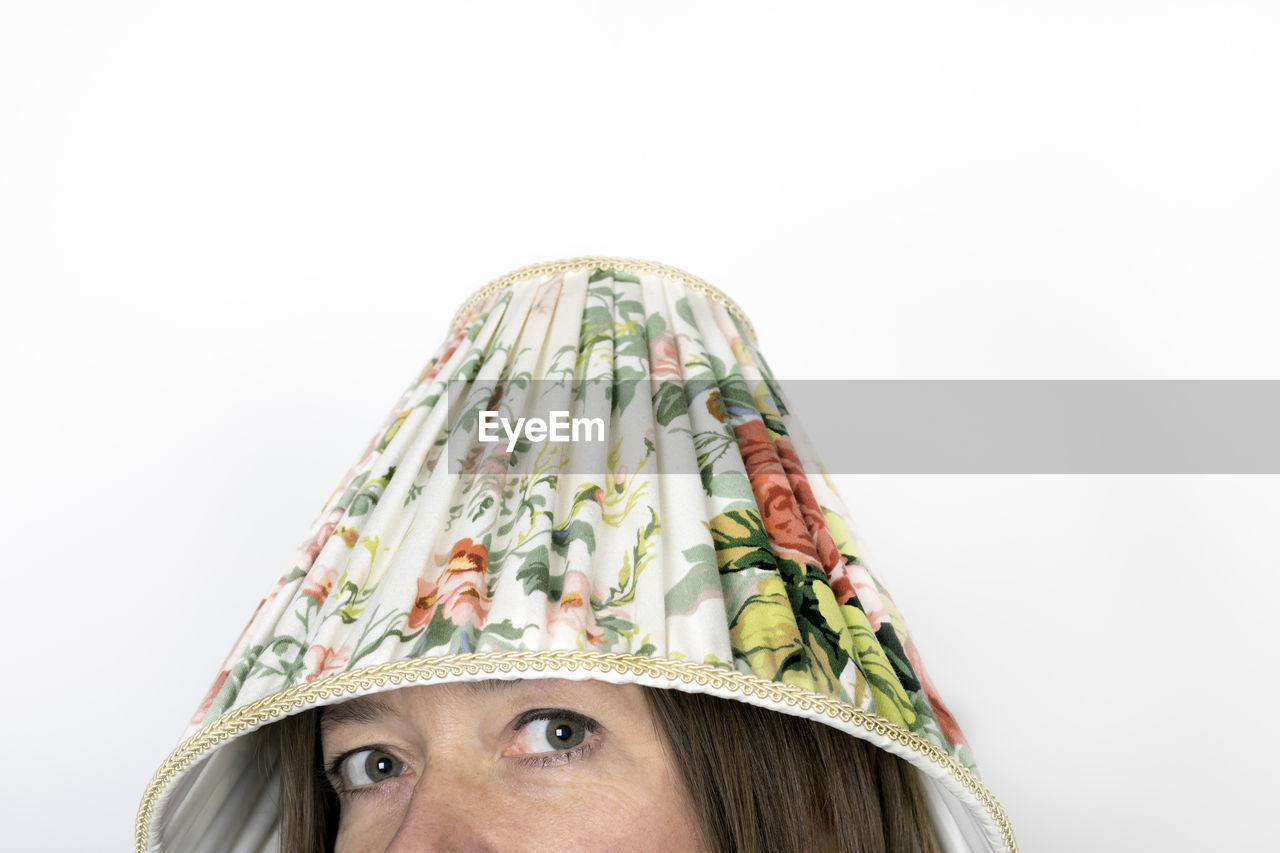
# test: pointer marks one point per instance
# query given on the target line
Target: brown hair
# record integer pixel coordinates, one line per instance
(308, 803)
(759, 782)
(765, 782)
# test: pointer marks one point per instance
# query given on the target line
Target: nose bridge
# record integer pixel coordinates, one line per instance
(446, 814)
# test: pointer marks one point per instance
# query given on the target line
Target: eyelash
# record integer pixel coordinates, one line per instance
(555, 759)
(561, 757)
(539, 760)
(333, 772)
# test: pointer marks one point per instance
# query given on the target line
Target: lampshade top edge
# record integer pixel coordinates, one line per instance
(689, 280)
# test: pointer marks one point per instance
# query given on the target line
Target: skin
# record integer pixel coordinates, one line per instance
(477, 767)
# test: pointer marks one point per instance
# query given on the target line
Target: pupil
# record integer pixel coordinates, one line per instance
(565, 733)
(379, 765)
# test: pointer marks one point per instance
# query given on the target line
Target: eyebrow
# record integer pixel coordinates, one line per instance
(371, 709)
(362, 709)
(494, 685)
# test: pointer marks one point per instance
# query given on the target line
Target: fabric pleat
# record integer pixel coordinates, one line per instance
(695, 530)
(701, 528)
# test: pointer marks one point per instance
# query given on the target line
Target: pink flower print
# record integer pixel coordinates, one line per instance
(368, 451)
(946, 722)
(460, 590)
(544, 301)
(496, 462)
(462, 586)
(467, 603)
(242, 642)
(433, 367)
(313, 548)
(198, 717)
(323, 660)
(575, 611)
(423, 603)
(868, 596)
(469, 461)
(664, 357)
(319, 583)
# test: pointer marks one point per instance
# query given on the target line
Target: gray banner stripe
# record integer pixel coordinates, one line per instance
(1041, 426)
(894, 426)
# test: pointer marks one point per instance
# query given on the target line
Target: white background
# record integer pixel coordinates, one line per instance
(231, 233)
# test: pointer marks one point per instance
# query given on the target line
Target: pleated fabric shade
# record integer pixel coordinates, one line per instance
(693, 543)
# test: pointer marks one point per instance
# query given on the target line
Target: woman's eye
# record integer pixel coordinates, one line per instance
(554, 732)
(368, 767)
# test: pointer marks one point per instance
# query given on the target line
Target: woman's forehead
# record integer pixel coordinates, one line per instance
(601, 696)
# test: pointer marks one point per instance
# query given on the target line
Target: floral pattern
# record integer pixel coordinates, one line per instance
(435, 543)
(322, 660)
(319, 583)
(459, 593)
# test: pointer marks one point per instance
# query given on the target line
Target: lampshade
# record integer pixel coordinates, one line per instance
(595, 477)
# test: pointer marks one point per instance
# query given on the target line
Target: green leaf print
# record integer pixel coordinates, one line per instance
(891, 701)
(669, 402)
(391, 432)
(535, 570)
(352, 490)
(624, 388)
(368, 497)
(654, 326)
(574, 531)
(701, 582)
(505, 630)
(617, 275)
(790, 628)
(685, 312)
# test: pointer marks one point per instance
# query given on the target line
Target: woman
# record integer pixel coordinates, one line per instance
(505, 632)
(514, 765)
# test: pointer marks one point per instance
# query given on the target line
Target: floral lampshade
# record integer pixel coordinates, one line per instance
(654, 516)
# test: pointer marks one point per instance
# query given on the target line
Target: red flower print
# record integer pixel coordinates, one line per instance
(460, 591)
(423, 604)
(829, 556)
(946, 722)
(847, 580)
(462, 586)
(779, 509)
(756, 448)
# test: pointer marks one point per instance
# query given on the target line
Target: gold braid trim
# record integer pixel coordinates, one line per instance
(551, 267)
(405, 672)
